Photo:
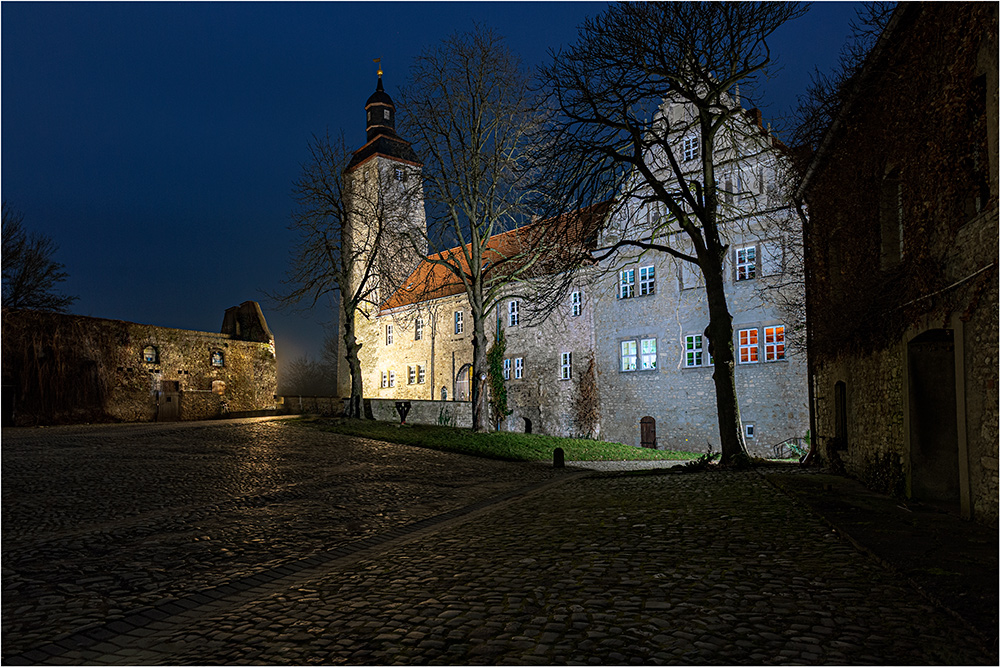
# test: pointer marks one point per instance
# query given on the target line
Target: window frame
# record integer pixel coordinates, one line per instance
(421, 374)
(513, 313)
(566, 366)
(388, 334)
(748, 266)
(392, 379)
(645, 355)
(506, 369)
(576, 303)
(704, 358)
(752, 347)
(626, 279)
(411, 374)
(153, 358)
(628, 361)
(691, 147)
(418, 329)
(647, 284)
(518, 368)
(459, 322)
(776, 348)
(385, 379)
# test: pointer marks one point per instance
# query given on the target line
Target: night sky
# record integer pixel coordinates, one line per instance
(157, 143)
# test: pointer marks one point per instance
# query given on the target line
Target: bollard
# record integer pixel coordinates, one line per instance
(559, 458)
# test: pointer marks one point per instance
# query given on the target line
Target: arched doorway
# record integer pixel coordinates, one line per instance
(934, 466)
(462, 387)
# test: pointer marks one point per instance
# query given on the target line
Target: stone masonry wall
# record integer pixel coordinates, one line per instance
(772, 395)
(48, 357)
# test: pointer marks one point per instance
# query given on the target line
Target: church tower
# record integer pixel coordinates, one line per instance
(387, 223)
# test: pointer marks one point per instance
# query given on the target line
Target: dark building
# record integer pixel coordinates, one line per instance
(901, 253)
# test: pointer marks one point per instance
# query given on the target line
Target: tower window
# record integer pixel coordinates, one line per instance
(385, 114)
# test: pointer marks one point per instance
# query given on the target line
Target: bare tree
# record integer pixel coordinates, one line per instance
(30, 275)
(348, 243)
(470, 113)
(661, 163)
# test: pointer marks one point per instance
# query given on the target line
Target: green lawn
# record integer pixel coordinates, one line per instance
(504, 446)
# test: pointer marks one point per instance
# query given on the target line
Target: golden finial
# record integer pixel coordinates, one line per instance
(379, 61)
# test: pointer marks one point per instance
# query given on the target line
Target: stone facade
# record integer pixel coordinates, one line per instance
(902, 242)
(70, 369)
(564, 374)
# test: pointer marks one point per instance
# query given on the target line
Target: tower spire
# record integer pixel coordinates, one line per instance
(379, 62)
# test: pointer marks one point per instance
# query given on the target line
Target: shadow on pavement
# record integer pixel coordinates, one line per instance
(952, 560)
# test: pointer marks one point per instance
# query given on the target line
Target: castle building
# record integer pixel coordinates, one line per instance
(624, 357)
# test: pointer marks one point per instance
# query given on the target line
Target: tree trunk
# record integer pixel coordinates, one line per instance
(720, 345)
(352, 346)
(477, 381)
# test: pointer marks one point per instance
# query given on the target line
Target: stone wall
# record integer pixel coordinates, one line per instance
(772, 395)
(903, 252)
(70, 369)
(444, 413)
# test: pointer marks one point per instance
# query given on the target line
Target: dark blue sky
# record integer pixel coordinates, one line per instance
(157, 143)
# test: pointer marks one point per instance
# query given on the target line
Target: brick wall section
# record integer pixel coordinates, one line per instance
(106, 356)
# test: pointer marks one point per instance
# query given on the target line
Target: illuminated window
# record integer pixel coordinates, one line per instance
(748, 346)
(217, 359)
(626, 283)
(513, 313)
(388, 334)
(647, 348)
(459, 324)
(774, 343)
(695, 352)
(518, 368)
(418, 329)
(506, 369)
(629, 355)
(150, 355)
(566, 365)
(647, 280)
(746, 263)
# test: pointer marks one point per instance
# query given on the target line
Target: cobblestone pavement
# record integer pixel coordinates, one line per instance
(100, 520)
(713, 567)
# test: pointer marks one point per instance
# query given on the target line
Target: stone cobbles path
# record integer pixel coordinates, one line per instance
(715, 568)
(101, 520)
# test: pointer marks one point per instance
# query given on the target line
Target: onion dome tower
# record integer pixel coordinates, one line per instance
(380, 126)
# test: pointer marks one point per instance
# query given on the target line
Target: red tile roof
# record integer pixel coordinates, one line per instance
(560, 241)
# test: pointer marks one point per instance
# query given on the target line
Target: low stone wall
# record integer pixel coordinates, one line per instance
(450, 413)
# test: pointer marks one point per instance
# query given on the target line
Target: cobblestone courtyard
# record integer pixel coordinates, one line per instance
(260, 542)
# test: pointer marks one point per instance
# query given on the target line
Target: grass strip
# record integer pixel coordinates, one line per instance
(503, 446)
